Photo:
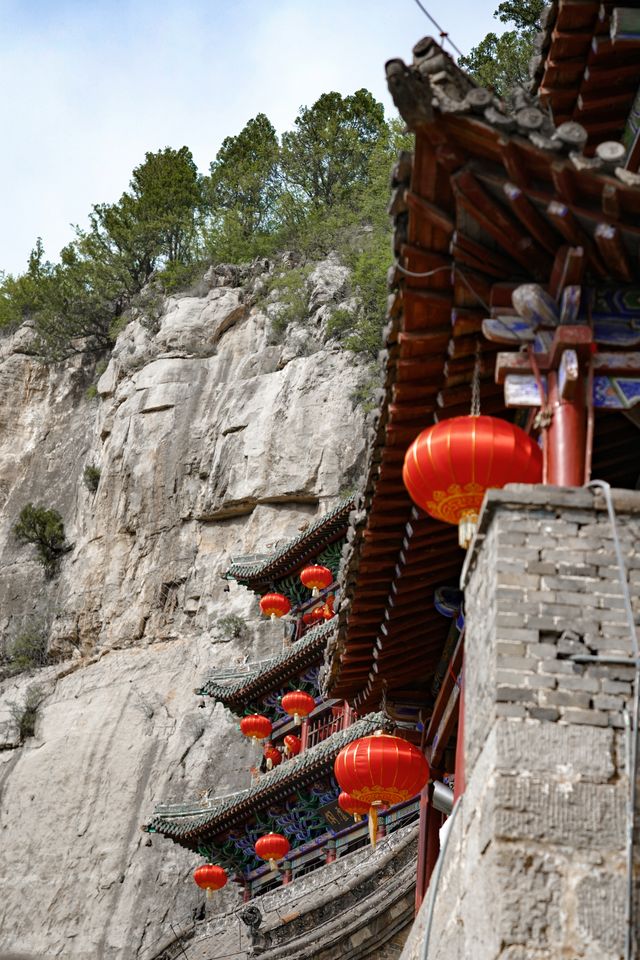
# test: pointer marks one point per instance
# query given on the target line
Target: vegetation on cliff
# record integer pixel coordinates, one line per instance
(44, 529)
(321, 186)
(501, 62)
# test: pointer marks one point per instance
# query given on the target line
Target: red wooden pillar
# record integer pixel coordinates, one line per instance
(421, 878)
(428, 844)
(567, 436)
(304, 734)
(346, 715)
(331, 851)
(246, 893)
(287, 874)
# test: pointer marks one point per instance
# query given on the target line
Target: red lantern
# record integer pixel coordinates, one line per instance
(316, 578)
(355, 808)
(272, 756)
(298, 704)
(256, 726)
(318, 613)
(210, 877)
(272, 847)
(275, 605)
(381, 770)
(449, 466)
(292, 744)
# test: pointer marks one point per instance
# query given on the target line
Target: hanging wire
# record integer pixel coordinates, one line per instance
(444, 35)
(475, 384)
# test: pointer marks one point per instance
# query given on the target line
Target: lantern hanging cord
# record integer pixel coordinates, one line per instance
(475, 384)
(444, 34)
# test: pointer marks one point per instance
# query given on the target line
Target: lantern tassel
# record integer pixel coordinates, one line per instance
(273, 865)
(209, 893)
(269, 764)
(467, 528)
(357, 818)
(315, 592)
(296, 718)
(373, 826)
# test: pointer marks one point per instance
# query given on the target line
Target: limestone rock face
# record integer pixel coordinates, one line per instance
(212, 441)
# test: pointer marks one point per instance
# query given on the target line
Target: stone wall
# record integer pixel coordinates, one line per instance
(535, 864)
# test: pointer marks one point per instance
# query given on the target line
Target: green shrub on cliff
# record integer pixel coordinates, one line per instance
(27, 651)
(45, 530)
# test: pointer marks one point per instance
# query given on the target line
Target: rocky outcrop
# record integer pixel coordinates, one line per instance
(212, 441)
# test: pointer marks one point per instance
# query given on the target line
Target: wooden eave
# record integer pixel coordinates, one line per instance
(526, 202)
(582, 75)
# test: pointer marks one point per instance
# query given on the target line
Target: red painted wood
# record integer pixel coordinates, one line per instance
(421, 877)
(567, 438)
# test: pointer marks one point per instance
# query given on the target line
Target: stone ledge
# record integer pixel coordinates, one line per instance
(522, 496)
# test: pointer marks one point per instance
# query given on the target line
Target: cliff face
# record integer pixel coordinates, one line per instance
(212, 441)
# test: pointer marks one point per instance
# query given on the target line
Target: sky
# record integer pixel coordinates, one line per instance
(88, 86)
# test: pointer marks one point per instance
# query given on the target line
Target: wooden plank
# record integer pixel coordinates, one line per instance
(504, 265)
(564, 220)
(423, 343)
(426, 309)
(465, 320)
(567, 44)
(522, 391)
(603, 363)
(578, 337)
(568, 375)
(437, 217)
(493, 218)
(508, 330)
(628, 363)
(616, 393)
(568, 268)
(625, 24)
(612, 250)
(525, 211)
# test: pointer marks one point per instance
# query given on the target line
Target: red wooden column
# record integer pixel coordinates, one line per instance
(330, 848)
(421, 877)
(567, 436)
(304, 734)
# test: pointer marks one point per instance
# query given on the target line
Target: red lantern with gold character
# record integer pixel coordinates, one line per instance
(292, 744)
(210, 877)
(298, 704)
(272, 755)
(272, 847)
(316, 578)
(449, 467)
(381, 770)
(355, 808)
(256, 726)
(275, 605)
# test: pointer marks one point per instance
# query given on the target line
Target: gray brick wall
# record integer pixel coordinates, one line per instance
(536, 862)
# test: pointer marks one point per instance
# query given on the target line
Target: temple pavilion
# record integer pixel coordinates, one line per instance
(293, 792)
